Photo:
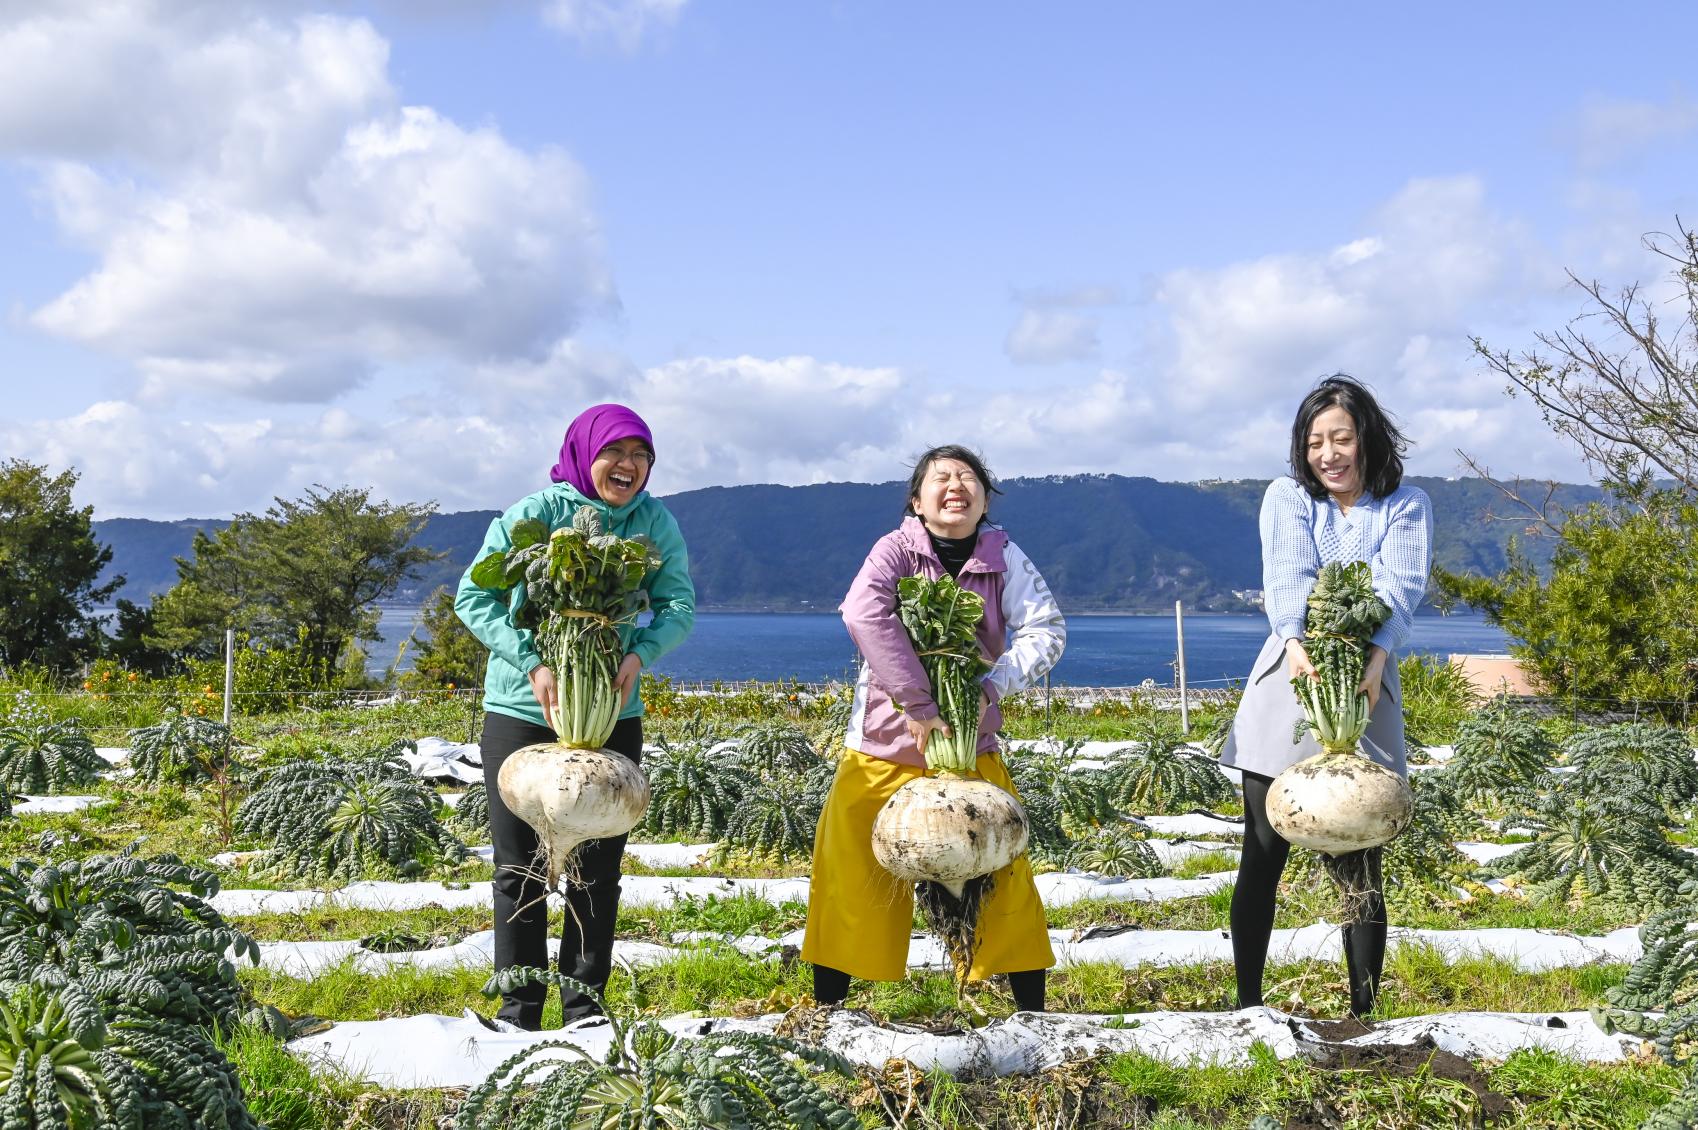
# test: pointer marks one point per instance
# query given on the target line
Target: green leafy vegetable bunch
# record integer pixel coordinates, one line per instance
(1344, 614)
(574, 588)
(942, 619)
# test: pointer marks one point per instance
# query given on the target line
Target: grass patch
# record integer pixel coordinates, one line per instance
(1208, 863)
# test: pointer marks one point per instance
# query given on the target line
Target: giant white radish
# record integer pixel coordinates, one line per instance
(949, 831)
(574, 588)
(1338, 802)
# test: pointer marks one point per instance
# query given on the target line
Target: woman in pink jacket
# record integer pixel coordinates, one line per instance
(859, 916)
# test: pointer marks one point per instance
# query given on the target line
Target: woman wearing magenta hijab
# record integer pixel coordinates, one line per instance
(604, 463)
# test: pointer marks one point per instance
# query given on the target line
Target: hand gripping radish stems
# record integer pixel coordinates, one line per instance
(951, 832)
(574, 588)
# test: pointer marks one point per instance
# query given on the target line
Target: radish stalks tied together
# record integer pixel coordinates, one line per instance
(950, 831)
(1339, 803)
(574, 588)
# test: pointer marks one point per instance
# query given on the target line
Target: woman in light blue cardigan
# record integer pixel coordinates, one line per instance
(1345, 500)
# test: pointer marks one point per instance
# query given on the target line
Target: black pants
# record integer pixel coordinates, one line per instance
(521, 913)
(1259, 871)
(831, 986)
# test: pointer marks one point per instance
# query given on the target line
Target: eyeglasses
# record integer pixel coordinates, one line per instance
(641, 456)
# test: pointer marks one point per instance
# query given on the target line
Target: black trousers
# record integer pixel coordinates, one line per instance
(521, 912)
(1259, 871)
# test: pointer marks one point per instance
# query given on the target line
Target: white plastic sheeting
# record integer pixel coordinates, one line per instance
(1056, 889)
(443, 1051)
(35, 805)
(437, 759)
(1528, 950)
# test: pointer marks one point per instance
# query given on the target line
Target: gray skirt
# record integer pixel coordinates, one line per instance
(1260, 739)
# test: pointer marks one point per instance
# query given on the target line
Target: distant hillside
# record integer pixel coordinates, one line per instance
(1104, 542)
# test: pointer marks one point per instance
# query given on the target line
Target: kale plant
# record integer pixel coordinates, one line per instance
(777, 817)
(110, 916)
(1115, 851)
(1501, 754)
(694, 791)
(101, 1057)
(776, 746)
(180, 749)
(651, 1079)
(471, 816)
(1601, 844)
(1654, 760)
(1161, 774)
(1424, 854)
(1062, 800)
(1658, 1001)
(335, 818)
(39, 755)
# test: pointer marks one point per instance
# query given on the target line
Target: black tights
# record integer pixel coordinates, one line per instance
(1259, 871)
(831, 986)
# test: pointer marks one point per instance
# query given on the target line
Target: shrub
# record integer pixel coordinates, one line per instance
(336, 818)
(181, 748)
(1437, 698)
(653, 1079)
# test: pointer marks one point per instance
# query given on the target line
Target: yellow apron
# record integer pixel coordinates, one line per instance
(860, 916)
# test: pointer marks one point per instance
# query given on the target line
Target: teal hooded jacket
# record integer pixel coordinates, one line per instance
(512, 651)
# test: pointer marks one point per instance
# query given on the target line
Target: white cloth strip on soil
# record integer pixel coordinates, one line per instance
(444, 1051)
(439, 760)
(113, 754)
(1193, 824)
(32, 805)
(1529, 950)
(1487, 853)
(670, 855)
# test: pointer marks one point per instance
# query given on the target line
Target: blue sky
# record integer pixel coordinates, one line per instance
(253, 246)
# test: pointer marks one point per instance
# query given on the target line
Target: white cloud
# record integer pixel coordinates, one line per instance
(625, 22)
(268, 222)
(1045, 337)
(1607, 130)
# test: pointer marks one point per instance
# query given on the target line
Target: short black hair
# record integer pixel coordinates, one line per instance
(1380, 442)
(949, 451)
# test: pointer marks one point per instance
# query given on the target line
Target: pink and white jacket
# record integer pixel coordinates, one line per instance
(1022, 635)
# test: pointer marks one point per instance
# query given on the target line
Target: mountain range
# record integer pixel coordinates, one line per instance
(1105, 543)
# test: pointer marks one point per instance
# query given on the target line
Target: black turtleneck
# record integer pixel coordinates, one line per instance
(954, 552)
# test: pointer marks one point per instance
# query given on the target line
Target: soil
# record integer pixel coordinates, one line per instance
(1401, 1061)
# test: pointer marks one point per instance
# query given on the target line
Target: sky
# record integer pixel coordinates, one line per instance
(247, 248)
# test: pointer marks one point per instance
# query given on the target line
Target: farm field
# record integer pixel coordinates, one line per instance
(1516, 970)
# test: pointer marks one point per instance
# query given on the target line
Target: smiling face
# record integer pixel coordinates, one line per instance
(1335, 454)
(951, 499)
(620, 470)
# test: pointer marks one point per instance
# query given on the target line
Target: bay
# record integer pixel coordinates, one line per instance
(1102, 650)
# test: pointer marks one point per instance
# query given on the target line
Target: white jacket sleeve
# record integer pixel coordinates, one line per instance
(1034, 618)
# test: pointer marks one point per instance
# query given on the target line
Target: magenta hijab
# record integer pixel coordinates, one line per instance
(593, 430)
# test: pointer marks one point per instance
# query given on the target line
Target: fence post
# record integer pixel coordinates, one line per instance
(1049, 723)
(1184, 702)
(229, 670)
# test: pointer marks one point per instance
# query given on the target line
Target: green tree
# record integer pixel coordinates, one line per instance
(304, 576)
(452, 655)
(49, 566)
(1617, 620)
